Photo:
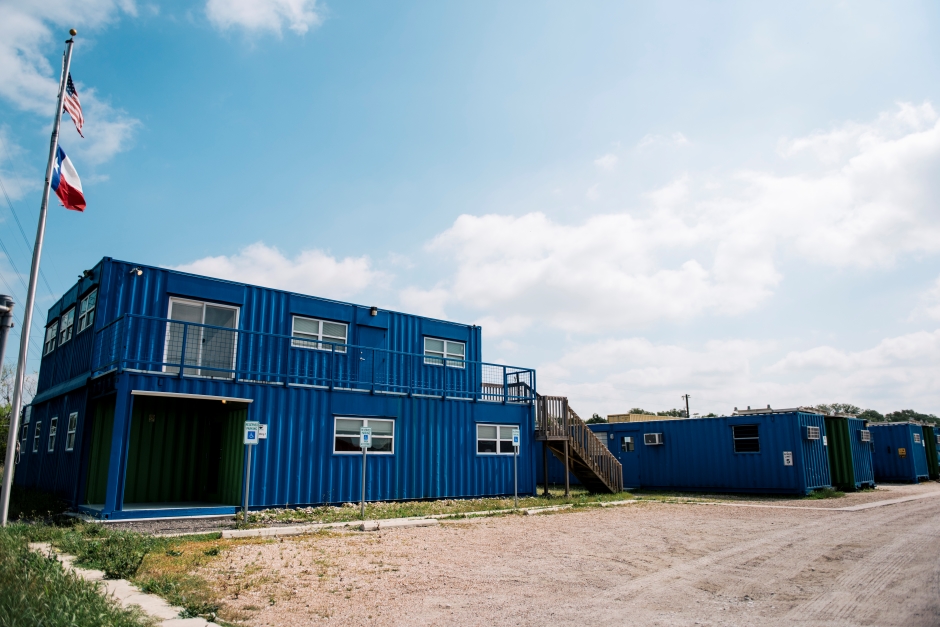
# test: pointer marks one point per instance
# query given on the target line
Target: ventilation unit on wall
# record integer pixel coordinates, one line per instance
(812, 433)
(864, 435)
(916, 438)
(651, 439)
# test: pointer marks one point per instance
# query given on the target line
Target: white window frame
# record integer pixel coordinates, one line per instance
(166, 343)
(36, 435)
(86, 315)
(66, 326)
(437, 358)
(365, 423)
(500, 438)
(50, 342)
(70, 433)
(53, 432)
(311, 341)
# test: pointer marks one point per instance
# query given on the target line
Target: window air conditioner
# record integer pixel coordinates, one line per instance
(652, 439)
(864, 435)
(812, 433)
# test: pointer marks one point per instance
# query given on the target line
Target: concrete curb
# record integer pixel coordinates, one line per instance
(124, 592)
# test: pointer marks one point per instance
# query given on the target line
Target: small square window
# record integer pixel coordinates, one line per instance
(436, 350)
(313, 333)
(495, 439)
(51, 331)
(746, 438)
(86, 311)
(66, 326)
(627, 444)
(346, 435)
(70, 434)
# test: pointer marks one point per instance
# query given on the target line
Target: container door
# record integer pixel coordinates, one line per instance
(625, 447)
(218, 345)
(373, 362)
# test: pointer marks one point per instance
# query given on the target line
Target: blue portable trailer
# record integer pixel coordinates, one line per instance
(148, 376)
(899, 452)
(769, 452)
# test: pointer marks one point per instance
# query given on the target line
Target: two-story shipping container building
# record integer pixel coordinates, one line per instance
(148, 376)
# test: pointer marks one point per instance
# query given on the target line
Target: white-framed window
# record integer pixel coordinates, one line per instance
(310, 332)
(626, 444)
(51, 331)
(209, 352)
(346, 435)
(36, 434)
(86, 310)
(66, 326)
(495, 439)
(746, 439)
(53, 427)
(435, 350)
(24, 431)
(70, 434)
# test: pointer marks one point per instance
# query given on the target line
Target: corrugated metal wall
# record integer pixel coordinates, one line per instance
(698, 454)
(99, 450)
(435, 444)
(933, 468)
(887, 439)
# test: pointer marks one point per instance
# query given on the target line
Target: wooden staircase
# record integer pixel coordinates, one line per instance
(575, 445)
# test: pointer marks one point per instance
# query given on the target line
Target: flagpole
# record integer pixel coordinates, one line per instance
(8, 465)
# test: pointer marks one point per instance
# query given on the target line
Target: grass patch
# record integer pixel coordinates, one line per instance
(36, 590)
(349, 512)
(825, 493)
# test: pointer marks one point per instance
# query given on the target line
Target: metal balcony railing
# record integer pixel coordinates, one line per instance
(186, 349)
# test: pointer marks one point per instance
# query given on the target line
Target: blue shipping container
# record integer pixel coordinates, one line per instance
(148, 376)
(765, 453)
(899, 452)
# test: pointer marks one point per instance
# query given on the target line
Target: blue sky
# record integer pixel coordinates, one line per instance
(641, 200)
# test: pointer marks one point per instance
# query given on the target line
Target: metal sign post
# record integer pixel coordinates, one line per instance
(365, 442)
(251, 440)
(515, 467)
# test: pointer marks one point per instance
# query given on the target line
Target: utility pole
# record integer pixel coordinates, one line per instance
(17, 400)
(686, 397)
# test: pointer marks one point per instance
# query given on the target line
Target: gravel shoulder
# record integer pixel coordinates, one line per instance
(650, 563)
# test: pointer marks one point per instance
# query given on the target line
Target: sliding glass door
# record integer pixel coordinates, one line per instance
(208, 352)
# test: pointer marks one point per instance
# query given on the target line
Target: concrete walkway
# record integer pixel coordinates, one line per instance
(124, 592)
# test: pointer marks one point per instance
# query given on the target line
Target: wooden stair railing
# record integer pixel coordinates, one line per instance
(576, 446)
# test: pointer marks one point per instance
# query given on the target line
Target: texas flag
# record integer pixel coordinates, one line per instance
(65, 182)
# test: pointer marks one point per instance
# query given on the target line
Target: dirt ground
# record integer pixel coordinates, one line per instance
(641, 564)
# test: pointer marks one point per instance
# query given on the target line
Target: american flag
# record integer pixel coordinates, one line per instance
(72, 105)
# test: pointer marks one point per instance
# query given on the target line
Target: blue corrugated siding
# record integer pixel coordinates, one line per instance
(699, 455)
(435, 444)
(58, 471)
(888, 464)
(861, 454)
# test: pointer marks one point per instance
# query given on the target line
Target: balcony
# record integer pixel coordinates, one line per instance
(146, 344)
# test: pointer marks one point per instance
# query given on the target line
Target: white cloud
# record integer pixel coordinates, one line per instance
(16, 184)
(675, 139)
(264, 15)
(705, 247)
(608, 162)
(311, 272)
(498, 327)
(930, 303)
(614, 376)
(424, 302)
(30, 33)
(592, 193)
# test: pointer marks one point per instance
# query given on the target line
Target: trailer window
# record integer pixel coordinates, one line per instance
(495, 440)
(36, 435)
(86, 311)
(310, 332)
(435, 350)
(51, 332)
(746, 439)
(53, 427)
(346, 435)
(70, 434)
(626, 443)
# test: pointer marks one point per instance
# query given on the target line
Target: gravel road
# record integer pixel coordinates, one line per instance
(641, 564)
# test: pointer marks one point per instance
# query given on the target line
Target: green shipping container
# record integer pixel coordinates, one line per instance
(930, 443)
(850, 462)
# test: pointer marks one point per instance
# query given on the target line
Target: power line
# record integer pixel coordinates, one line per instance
(23, 233)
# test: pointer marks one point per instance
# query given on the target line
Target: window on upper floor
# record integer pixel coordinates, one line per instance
(312, 333)
(53, 428)
(203, 337)
(66, 326)
(86, 311)
(436, 350)
(51, 331)
(36, 435)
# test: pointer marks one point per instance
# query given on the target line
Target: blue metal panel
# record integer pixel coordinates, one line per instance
(887, 442)
(55, 471)
(699, 455)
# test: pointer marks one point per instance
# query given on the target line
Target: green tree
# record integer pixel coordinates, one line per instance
(839, 408)
(637, 410)
(906, 415)
(678, 413)
(7, 375)
(871, 416)
(596, 419)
